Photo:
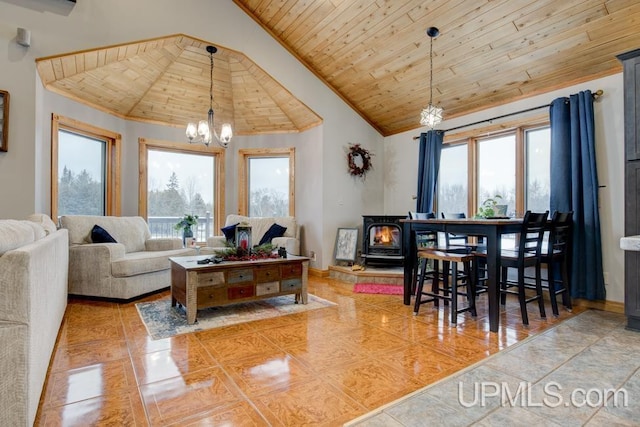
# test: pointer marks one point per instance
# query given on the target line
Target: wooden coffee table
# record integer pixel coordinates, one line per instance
(197, 286)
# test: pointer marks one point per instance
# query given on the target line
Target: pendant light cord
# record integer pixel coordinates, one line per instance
(431, 72)
(211, 83)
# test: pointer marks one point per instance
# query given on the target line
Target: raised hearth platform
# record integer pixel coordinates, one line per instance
(383, 275)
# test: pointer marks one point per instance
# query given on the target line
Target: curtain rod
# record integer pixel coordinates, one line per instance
(595, 96)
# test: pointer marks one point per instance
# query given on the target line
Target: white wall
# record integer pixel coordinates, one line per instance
(401, 155)
(334, 198)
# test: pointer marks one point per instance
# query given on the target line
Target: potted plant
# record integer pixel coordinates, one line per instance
(185, 225)
(492, 207)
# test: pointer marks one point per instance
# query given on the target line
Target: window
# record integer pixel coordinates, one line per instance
(453, 193)
(85, 169)
(266, 179)
(538, 143)
(178, 179)
(513, 164)
(497, 170)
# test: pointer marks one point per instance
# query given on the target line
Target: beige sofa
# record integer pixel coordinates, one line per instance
(33, 282)
(136, 265)
(259, 226)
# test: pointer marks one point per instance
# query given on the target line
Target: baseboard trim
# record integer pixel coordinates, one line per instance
(316, 272)
(611, 306)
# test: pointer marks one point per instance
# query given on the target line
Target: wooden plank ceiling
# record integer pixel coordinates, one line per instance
(375, 53)
(372, 53)
(167, 81)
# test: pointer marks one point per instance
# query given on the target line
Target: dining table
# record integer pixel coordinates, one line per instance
(492, 229)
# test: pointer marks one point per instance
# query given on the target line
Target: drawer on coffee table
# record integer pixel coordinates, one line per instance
(290, 285)
(210, 279)
(240, 275)
(239, 292)
(209, 296)
(267, 288)
(291, 270)
(267, 273)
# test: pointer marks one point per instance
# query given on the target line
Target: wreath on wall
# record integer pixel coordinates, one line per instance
(359, 160)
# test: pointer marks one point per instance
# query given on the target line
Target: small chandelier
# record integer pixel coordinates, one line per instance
(431, 115)
(205, 130)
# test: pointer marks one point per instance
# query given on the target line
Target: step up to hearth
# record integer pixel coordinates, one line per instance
(369, 274)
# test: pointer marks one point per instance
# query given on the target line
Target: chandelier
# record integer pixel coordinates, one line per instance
(431, 115)
(204, 131)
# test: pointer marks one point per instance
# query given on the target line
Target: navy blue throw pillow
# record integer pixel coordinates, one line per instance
(274, 231)
(230, 232)
(100, 235)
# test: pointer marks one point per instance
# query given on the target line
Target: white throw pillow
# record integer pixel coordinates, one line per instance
(38, 230)
(44, 220)
(13, 234)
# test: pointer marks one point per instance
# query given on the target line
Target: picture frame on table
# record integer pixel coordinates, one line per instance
(346, 244)
(4, 120)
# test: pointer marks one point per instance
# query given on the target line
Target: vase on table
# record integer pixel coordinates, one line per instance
(186, 232)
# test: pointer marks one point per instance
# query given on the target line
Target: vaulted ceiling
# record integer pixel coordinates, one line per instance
(167, 81)
(373, 53)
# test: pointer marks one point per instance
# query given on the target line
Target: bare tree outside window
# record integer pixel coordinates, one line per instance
(179, 184)
(497, 170)
(269, 186)
(85, 168)
(520, 156)
(452, 179)
(538, 169)
(81, 175)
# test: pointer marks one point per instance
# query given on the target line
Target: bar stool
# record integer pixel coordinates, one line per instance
(528, 254)
(559, 253)
(449, 294)
(462, 240)
(424, 239)
(556, 253)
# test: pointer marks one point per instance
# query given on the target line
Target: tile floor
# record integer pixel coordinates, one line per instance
(584, 371)
(321, 367)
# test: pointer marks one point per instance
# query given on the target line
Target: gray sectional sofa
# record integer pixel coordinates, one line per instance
(33, 282)
(133, 266)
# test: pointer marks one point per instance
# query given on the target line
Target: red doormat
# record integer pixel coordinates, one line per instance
(378, 288)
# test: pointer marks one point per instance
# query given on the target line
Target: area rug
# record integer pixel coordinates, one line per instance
(164, 321)
(378, 288)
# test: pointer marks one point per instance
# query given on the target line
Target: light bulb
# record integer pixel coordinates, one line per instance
(203, 128)
(192, 131)
(226, 133)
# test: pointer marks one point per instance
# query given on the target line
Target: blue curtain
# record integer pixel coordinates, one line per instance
(574, 188)
(428, 166)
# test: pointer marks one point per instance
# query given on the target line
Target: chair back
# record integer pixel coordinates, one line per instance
(560, 234)
(453, 215)
(532, 234)
(424, 238)
(421, 215)
(451, 238)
